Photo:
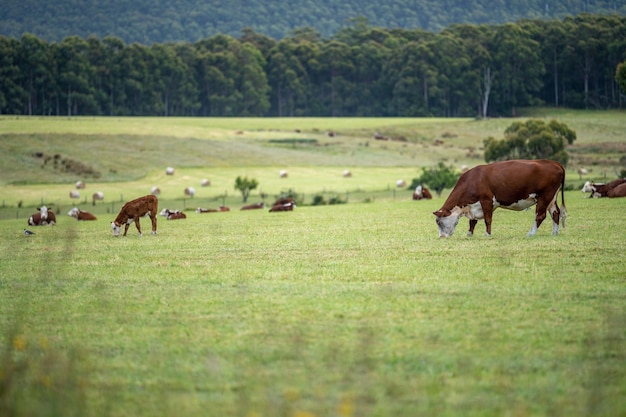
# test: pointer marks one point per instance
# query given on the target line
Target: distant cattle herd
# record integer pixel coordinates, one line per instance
(148, 205)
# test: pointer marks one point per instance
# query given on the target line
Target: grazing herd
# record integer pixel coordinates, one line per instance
(514, 185)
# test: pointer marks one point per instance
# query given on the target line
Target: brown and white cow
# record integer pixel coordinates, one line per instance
(619, 191)
(422, 193)
(133, 210)
(514, 185)
(288, 206)
(598, 190)
(81, 215)
(254, 206)
(44, 217)
(74, 194)
(173, 215)
(207, 210)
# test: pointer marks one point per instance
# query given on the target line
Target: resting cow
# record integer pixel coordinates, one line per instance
(619, 191)
(598, 190)
(80, 215)
(133, 210)
(45, 217)
(254, 206)
(513, 185)
(207, 210)
(422, 193)
(175, 215)
(288, 206)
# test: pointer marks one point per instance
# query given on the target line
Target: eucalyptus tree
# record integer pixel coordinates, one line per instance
(13, 95)
(34, 63)
(411, 75)
(251, 80)
(76, 76)
(288, 79)
(337, 74)
(519, 68)
(173, 81)
(479, 77)
(113, 77)
(138, 81)
(552, 36)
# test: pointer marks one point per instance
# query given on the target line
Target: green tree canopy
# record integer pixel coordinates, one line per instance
(245, 185)
(437, 178)
(533, 139)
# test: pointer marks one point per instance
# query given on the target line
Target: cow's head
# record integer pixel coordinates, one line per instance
(44, 212)
(588, 187)
(116, 229)
(446, 221)
(73, 212)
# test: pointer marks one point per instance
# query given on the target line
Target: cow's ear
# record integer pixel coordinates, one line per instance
(441, 213)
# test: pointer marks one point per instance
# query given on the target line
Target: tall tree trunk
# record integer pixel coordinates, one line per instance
(487, 83)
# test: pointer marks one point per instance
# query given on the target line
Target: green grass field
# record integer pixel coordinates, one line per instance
(356, 309)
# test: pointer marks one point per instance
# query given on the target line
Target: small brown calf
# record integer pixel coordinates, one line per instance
(133, 210)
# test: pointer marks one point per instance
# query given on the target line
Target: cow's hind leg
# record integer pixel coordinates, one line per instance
(138, 225)
(555, 213)
(154, 223)
(540, 216)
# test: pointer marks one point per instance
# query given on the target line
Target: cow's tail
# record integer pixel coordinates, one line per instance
(563, 209)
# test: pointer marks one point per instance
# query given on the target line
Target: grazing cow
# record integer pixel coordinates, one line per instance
(190, 191)
(80, 185)
(422, 193)
(283, 174)
(601, 190)
(400, 183)
(133, 210)
(169, 171)
(78, 214)
(155, 191)
(513, 185)
(289, 206)
(97, 196)
(619, 191)
(45, 217)
(205, 182)
(74, 194)
(347, 174)
(254, 206)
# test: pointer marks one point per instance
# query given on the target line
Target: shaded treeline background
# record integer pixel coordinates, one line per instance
(362, 70)
(149, 21)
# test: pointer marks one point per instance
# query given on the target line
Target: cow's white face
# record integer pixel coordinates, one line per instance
(44, 212)
(116, 229)
(587, 187)
(73, 212)
(447, 221)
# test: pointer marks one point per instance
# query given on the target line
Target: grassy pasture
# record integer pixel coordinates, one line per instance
(346, 310)
(349, 310)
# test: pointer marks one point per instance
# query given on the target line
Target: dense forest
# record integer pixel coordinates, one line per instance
(149, 21)
(363, 70)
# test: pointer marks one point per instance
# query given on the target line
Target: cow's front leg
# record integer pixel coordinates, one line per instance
(126, 226)
(472, 226)
(488, 213)
(136, 219)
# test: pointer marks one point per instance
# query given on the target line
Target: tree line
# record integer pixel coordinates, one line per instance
(148, 21)
(464, 70)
